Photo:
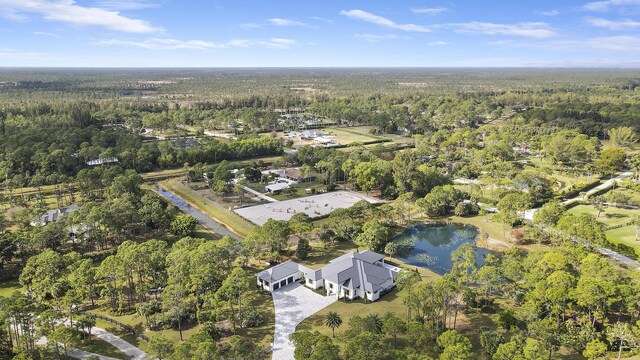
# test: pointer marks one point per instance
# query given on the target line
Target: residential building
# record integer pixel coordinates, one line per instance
(351, 276)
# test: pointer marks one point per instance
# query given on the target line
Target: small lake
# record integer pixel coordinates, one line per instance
(430, 245)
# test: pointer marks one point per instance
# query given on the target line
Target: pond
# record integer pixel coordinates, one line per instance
(430, 245)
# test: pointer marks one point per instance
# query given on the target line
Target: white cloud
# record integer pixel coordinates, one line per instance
(377, 38)
(285, 22)
(614, 43)
(42, 33)
(317, 18)
(624, 24)
(438, 43)
(430, 11)
(553, 12)
(68, 11)
(527, 29)
(381, 21)
(608, 4)
(173, 44)
(123, 5)
(163, 44)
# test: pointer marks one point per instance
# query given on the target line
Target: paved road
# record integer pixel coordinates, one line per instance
(528, 214)
(259, 194)
(133, 352)
(204, 219)
(75, 353)
(293, 304)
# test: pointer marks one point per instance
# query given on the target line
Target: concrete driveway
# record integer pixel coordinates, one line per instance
(293, 304)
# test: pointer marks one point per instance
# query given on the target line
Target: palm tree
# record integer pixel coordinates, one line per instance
(332, 320)
(373, 323)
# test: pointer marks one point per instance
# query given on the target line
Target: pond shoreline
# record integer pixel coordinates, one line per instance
(429, 244)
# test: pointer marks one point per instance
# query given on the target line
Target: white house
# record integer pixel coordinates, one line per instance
(54, 215)
(353, 275)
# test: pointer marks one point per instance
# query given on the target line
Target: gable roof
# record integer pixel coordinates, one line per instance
(279, 272)
(356, 270)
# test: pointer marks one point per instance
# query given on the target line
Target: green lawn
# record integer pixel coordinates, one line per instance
(624, 235)
(9, 287)
(612, 216)
(231, 220)
(97, 346)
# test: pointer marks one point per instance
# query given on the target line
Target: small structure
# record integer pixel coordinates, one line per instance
(353, 275)
(54, 215)
(310, 134)
(103, 161)
(278, 276)
(276, 188)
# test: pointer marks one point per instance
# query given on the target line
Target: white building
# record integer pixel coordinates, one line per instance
(353, 275)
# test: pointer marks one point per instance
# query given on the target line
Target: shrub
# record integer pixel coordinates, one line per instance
(252, 318)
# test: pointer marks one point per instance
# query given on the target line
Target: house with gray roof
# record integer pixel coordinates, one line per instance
(54, 215)
(353, 275)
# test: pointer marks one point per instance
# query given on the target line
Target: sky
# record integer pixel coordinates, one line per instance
(319, 33)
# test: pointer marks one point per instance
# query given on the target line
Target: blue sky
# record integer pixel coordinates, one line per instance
(319, 33)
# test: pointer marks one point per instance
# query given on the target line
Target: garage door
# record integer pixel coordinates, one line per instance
(290, 280)
(276, 286)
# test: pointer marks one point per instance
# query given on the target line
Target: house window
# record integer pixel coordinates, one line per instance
(310, 281)
(331, 286)
(347, 292)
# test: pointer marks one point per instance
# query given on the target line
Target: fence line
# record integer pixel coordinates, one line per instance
(124, 327)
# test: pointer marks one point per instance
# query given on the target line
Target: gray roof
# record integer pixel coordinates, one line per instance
(369, 256)
(311, 273)
(55, 215)
(279, 272)
(356, 270)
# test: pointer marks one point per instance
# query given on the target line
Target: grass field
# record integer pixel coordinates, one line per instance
(97, 346)
(230, 219)
(612, 216)
(9, 287)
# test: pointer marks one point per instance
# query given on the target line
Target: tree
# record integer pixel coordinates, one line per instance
(393, 325)
(314, 346)
(66, 336)
(623, 136)
(332, 320)
(490, 342)
(391, 249)
(599, 203)
(611, 159)
(86, 323)
(375, 235)
(583, 227)
(454, 346)
(595, 349)
(620, 335)
(160, 346)
(364, 346)
(549, 214)
(184, 225)
(534, 350)
(232, 292)
(303, 249)
(407, 279)
(373, 324)
(512, 206)
(508, 351)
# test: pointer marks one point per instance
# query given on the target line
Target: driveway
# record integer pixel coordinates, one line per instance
(293, 304)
